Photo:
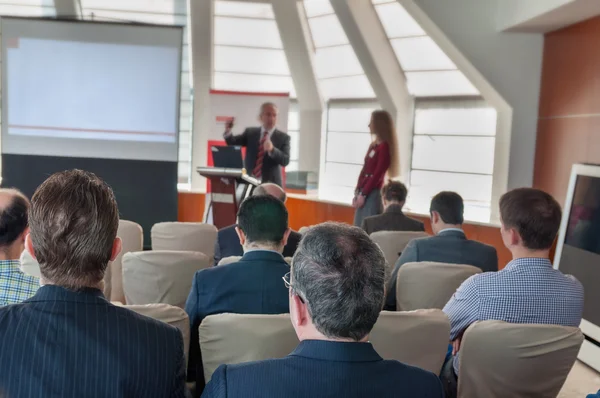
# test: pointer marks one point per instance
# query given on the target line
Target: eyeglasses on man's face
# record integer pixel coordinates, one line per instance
(288, 284)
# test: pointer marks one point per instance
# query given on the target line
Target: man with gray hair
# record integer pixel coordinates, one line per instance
(336, 292)
(228, 242)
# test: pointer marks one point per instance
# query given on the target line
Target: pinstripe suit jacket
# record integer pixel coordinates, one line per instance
(324, 369)
(62, 343)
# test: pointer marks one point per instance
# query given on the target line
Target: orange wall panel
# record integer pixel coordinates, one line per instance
(191, 207)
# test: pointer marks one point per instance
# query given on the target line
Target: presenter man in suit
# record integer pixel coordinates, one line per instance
(251, 286)
(267, 148)
(68, 340)
(449, 245)
(336, 291)
(228, 242)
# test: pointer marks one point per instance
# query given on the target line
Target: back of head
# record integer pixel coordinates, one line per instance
(271, 189)
(534, 214)
(383, 127)
(394, 191)
(73, 220)
(450, 207)
(263, 219)
(340, 273)
(14, 207)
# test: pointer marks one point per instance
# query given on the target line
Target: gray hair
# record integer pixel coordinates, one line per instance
(266, 104)
(341, 273)
(268, 188)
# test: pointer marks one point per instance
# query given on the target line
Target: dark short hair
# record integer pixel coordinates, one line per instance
(13, 218)
(341, 273)
(394, 191)
(73, 221)
(450, 206)
(534, 214)
(263, 219)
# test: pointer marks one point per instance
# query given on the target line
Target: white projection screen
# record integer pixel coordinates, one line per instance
(87, 89)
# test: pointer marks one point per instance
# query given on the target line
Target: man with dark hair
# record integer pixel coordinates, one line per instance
(15, 286)
(68, 340)
(228, 242)
(336, 291)
(528, 289)
(449, 245)
(393, 196)
(249, 286)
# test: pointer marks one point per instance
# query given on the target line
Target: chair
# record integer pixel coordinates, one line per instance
(229, 260)
(160, 276)
(392, 243)
(172, 315)
(429, 285)
(184, 236)
(304, 230)
(29, 265)
(499, 359)
(418, 338)
(132, 237)
(236, 338)
(288, 260)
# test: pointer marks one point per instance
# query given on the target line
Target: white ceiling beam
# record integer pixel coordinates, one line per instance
(66, 9)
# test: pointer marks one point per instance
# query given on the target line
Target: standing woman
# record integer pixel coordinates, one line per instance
(381, 159)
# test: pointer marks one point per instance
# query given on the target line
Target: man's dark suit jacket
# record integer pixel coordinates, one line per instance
(228, 244)
(448, 246)
(324, 369)
(271, 169)
(392, 219)
(62, 343)
(251, 286)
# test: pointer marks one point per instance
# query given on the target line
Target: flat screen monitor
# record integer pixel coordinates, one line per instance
(578, 248)
(228, 157)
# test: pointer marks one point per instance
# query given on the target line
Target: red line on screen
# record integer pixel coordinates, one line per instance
(24, 127)
(12, 42)
(252, 94)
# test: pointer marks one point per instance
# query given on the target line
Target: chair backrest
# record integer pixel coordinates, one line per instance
(236, 338)
(392, 243)
(166, 313)
(499, 359)
(429, 285)
(304, 230)
(288, 260)
(418, 338)
(29, 265)
(160, 276)
(132, 237)
(229, 260)
(184, 236)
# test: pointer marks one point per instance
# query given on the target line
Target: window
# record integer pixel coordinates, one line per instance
(347, 141)
(248, 53)
(429, 71)
(338, 70)
(294, 133)
(453, 149)
(166, 12)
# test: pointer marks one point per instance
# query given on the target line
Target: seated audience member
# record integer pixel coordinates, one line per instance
(68, 340)
(252, 285)
(393, 196)
(15, 286)
(228, 242)
(529, 289)
(336, 291)
(597, 395)
(449, 245)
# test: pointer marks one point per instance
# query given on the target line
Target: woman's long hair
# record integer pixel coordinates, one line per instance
(384, 130)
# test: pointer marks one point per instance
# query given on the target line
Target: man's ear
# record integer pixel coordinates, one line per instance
(29, 246)
(241, 235)
(299, 310)
(435, 217)
(116, 249)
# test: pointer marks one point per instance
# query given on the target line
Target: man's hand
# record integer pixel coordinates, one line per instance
(229, 125)
(456, 345)
(268, 145)
(360, 201)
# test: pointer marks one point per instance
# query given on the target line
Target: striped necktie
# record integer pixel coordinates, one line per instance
(257, 172)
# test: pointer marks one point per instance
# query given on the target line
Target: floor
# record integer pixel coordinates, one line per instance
(582, 380)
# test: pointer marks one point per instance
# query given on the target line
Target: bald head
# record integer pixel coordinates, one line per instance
(270, 189)
(14, 207)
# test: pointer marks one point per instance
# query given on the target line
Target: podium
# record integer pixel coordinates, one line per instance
(229, 187)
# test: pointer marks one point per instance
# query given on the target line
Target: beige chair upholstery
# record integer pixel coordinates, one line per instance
(417, 338)
(132, 237)
(429, 285)
(289, 260)
(183, 236)
(229, 260)
(29, 265)
(499, 359)
(160, 276)
(236, 338)
(392, 243)
(304, 230)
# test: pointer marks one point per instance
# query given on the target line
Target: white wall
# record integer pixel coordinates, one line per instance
(510, 62)
(515, 12)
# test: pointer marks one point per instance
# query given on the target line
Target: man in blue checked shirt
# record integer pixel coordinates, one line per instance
(528, 289)
(15, 286)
